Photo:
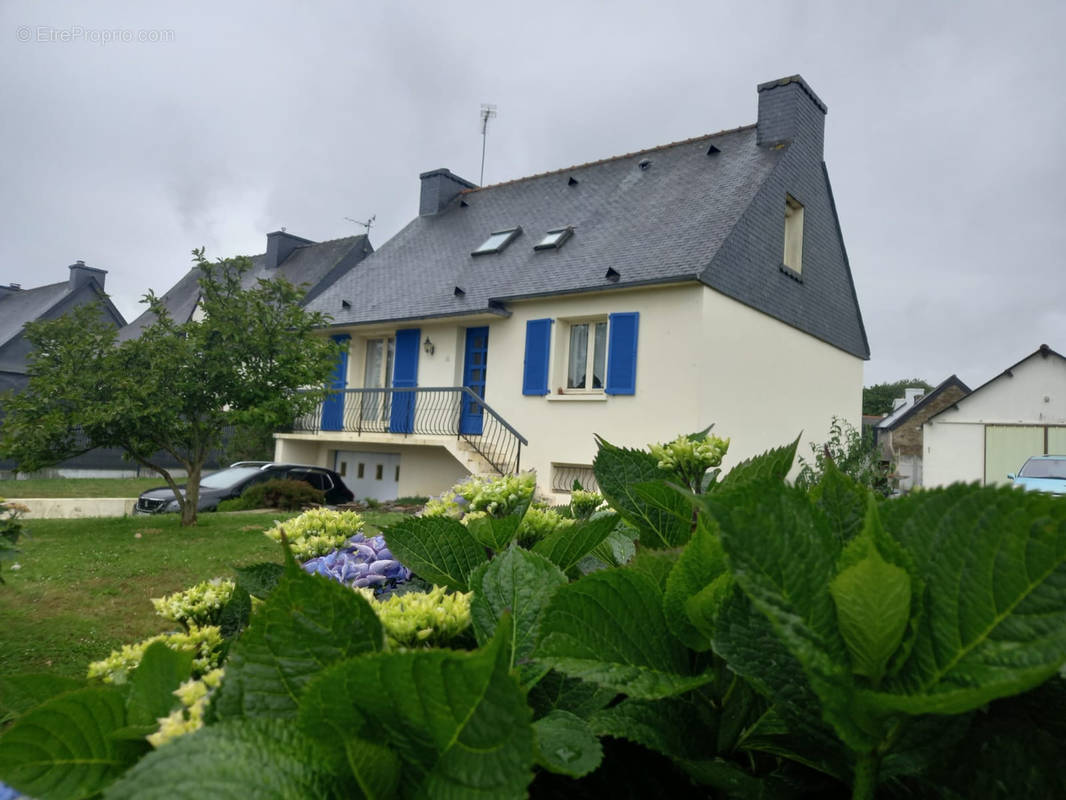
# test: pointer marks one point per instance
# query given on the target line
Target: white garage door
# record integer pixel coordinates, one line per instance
(1056, 441)
(1007, 447)
(375, 475)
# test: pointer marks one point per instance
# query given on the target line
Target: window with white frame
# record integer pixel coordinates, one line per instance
(586, 362)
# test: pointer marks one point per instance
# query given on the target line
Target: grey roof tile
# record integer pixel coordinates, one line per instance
(26, 305)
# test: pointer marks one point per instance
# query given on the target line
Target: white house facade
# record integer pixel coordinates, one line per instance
(992, 431)
(636, 298)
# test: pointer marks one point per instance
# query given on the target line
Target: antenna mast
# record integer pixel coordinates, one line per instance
(488, 111)
(366, 224)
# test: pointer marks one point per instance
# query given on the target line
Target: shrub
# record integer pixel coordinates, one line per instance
(317, 532)
(10, 529)
(497, 497)
(583, 504)
(422, 619)
(853, 452)
(283, 494)
(204, 642)
(194, 695)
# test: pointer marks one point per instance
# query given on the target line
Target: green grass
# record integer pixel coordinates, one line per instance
(85, 586)
(80, 487)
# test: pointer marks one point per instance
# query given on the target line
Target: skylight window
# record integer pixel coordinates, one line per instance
(497, 241)
(554, 239)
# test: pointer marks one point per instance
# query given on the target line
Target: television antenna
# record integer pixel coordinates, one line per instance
(366, 224)
(488, 111)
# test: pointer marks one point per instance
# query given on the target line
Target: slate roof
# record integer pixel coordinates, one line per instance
(26, 305)
(902, 414)
(315, 266)
(663, 223)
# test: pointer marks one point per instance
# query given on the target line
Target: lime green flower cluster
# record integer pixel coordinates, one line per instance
(421, 619)
(583, 504)
(538, 523)
(317, 532)
(194, 696)
(204, 642)
(690, 457)
(495, 496)
(201, 604)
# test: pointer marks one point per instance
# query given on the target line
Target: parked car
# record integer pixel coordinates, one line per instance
(1042, 474)
(231, 482)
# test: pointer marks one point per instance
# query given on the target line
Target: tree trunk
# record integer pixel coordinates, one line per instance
(192, 495)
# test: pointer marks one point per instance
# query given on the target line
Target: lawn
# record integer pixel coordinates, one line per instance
(80, 487)
(84, 586)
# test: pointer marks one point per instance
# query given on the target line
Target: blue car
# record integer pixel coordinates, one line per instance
(1042, 474)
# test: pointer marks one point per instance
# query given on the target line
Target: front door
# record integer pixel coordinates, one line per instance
(474, 364)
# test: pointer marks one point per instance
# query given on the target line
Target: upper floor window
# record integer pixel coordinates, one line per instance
(554, 239)
(793, 257)
(497, 241)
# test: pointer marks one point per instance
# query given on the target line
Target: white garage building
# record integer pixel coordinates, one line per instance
(992, 431)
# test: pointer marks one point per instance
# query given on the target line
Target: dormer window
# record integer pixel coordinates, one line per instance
(554, 239)
(793, 257)
(497, 241)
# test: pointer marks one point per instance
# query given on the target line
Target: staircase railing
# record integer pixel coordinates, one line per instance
(432, 411)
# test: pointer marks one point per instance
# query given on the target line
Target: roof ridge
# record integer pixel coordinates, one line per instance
(635, 153)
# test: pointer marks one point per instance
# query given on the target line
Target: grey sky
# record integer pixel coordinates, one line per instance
(942, 139)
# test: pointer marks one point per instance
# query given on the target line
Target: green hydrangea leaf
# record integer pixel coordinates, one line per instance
(873, 603)
(565, 744)
(994, 562)
(518, 584)
(458, 721)
(495, 532)
(306, 624)
(152, 685)
(259, 580)
(608, 628)
(437, 549)
(773, 465)
(234, 760)
(566, 546)
(656, 564)
(64, 747)
(617, 549)
(377, 768)
(701, 563)
(20, 693)
(558, 691)
(843, 500)
(619, 471)
(236, 613)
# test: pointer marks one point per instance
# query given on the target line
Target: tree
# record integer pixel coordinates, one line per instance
(877, 399)
(175, 388)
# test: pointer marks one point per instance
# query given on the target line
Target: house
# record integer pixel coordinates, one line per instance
(899, 434)
(990, 432)
(17, 307)
(302, 262)
(636, 297)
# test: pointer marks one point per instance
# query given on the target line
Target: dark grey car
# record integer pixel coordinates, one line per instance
(232, 482)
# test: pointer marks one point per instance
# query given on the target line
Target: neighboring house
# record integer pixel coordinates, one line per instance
(637, 297)
(992, 431)
(19, 306)
(899, 434)
(313, 265)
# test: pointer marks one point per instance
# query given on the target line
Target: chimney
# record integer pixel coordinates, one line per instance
(280, 246)
(789, 110)
(440, 187)
(81, 275)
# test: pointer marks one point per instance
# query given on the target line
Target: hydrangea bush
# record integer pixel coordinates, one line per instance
(194, 695)
(689, 457)
(317, 532)
(497, 497)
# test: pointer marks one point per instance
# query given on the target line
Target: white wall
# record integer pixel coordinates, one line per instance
(954, 440)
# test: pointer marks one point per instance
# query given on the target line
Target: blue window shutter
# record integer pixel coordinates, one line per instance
(622, 353)
(538, 342)
(333, 407)
(405, 374)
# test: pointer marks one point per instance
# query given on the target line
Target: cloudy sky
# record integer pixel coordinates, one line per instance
(132, 133)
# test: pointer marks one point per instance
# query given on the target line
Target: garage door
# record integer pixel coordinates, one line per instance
(1056, 441)
(1007, 447)
(374, 475)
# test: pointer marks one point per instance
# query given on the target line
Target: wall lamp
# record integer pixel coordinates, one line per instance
(428, 347)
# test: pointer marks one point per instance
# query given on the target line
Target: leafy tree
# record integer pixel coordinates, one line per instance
(877, 399)
(177, 387)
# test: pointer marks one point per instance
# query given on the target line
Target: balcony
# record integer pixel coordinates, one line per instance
(452, 412)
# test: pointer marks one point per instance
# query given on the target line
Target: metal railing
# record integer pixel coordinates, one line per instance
(433, 411)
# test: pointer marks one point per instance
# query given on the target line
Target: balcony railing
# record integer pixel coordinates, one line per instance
(438, 411)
